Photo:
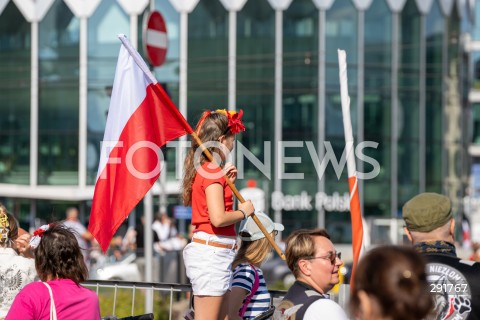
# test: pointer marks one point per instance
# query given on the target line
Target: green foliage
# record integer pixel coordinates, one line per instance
(277, 285)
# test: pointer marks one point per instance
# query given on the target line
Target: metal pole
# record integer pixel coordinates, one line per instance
(321, 108)
(134, 30)
(360, 95)
(162, 195)
(232, 56)
(33, 215)
(444, 105)
(34, 106)
(422, 107)
(182, 86)
(277, 183)
(148, 246)
(394, 117)
(82, 134)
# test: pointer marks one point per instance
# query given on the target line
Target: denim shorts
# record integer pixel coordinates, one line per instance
(209, 268)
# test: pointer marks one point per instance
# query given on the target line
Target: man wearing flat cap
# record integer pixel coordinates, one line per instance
(455, 283)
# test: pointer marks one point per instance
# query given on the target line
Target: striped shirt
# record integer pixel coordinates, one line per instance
(244, 277)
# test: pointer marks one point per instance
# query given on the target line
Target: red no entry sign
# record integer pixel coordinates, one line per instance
(155, 39)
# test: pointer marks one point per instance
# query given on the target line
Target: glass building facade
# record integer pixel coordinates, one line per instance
(407, 81)
(472, 198)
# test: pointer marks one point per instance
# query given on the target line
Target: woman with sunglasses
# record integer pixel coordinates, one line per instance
(314, 262)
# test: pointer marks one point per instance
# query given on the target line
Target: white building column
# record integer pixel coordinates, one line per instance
(322, 6)
(134, 9)
(232, 6)
(396, 7)
(446, 8)
(3, 4)
(34, 11)
(184, 7)
(279, 6)
(423, 7)
(82, 10)
(361, 6)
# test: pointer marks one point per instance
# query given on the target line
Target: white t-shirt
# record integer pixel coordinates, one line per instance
(80, 230)
(319, 310)
(164, 231)
(15, 272)
(325, 309)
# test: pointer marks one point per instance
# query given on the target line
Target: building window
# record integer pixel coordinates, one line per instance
(58, 97)
(15, 96)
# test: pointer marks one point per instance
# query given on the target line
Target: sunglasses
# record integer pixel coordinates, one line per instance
(332, 256)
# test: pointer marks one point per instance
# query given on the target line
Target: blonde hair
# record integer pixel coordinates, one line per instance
(8, 226)
(300, 245)
(210, 127)
(252, 252)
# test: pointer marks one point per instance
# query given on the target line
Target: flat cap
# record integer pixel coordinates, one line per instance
(427, 211)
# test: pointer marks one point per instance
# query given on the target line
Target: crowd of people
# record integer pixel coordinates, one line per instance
(54, 258)
(41, 274)
(128, 240)
(397, 282)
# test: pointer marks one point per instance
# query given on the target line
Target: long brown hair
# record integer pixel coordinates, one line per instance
(210, 127)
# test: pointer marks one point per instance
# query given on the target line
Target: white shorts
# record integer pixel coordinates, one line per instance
(209, 268)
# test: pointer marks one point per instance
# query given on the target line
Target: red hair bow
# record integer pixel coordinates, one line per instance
(37, 235)
(39, 232)
(235, 124)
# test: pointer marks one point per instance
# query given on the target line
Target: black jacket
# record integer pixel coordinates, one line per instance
(299, 295)
(455, 284)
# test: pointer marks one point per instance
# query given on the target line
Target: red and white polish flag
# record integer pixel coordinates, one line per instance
(141, 119)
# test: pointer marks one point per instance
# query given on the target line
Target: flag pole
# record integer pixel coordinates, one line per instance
(355, 210)
(240, 198)
(138, 59)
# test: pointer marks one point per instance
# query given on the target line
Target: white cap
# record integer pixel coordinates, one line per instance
(249, 226)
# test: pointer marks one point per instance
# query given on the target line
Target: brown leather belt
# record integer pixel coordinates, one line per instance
(215, 244)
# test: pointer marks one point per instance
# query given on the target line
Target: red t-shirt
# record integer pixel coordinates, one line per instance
(207, 175)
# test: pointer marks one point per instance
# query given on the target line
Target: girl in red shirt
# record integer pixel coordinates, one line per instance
(209, 256)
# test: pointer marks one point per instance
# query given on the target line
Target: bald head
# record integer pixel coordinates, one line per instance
(444, 233)
(72, 214)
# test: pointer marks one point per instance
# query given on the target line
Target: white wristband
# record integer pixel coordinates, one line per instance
(244, 214)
